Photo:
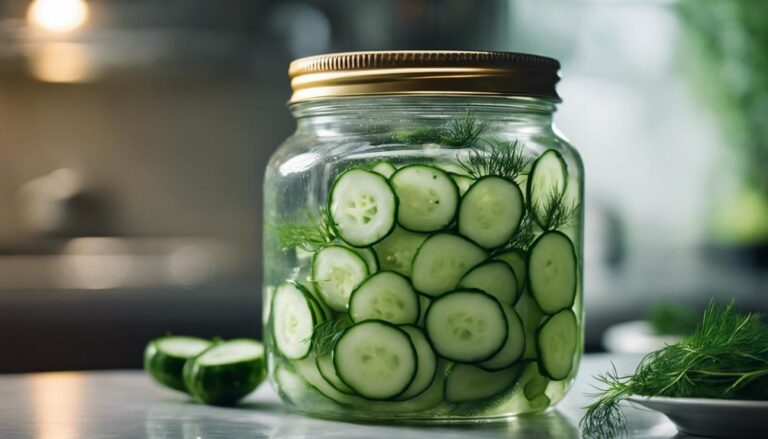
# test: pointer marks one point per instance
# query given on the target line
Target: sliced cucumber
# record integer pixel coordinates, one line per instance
(307, 368)
(515, 258)
(466, 326)
(490, 211)
(441, 262)
(370, 258)
(376, 359)
(396, 251)
(385, 296)
(513, 348)
(164, 358)
(495, 278)
(424, 302)
(294, 318)
(427, 362)
(363, 207)
(226, 372)
(323, 312)
(470, 383)
(462, 182)
(336, 271)
(385, 168)
(548, 178)
(558, 339)
(328, 371)
(428, 198)
(531, 314)
(552, 272)
(535, 387)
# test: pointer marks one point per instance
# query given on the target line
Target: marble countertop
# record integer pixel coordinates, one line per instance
(125, 404)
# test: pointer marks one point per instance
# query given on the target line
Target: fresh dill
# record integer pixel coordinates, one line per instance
(309, 236)
(326, 335)
(726, 357)
(495, 157)
(555, 211)
(523, 236)
(460, 132)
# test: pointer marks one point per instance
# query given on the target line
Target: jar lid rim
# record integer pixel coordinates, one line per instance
(423, 72)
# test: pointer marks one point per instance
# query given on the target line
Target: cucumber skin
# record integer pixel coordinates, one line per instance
(163, 368)
(542, 370)
(528, 275)
(315, 310)
(223, 385)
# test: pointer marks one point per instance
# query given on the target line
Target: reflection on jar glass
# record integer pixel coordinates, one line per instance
(423, 239)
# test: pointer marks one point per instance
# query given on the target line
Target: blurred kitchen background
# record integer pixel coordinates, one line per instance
(134, 133)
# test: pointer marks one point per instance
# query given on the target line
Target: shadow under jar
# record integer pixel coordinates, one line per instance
(423, 239)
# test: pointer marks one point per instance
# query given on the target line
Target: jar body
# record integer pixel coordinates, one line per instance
(506, 241)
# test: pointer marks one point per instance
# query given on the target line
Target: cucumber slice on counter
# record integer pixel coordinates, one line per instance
(558, 339)
(294, 317)
(164, 358)
(552, 272)
(428, 198)
(491, 211)
(466, 326)
(386, 296)
(470, 383)
(376, 359)
(396, 251)
(385, 168)
(328, 371)
(495, 278)
(336, 271)
(362, 206)
(515, 258)
(441, 262)
(548, 177)
(226, 372)
(513, 348)
(462, 182)
(427, 362)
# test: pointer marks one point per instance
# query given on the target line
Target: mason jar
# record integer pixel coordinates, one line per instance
(423, 239)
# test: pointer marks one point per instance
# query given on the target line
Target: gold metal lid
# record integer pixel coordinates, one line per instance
(423, 72)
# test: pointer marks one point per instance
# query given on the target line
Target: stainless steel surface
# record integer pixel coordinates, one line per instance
(125, 404)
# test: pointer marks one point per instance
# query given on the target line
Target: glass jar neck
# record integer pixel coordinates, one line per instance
(370, 115)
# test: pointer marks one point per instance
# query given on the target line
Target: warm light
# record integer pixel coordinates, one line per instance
(60, 62)
(57, 404)
(58, 15)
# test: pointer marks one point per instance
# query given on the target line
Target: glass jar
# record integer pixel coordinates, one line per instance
(423, 239)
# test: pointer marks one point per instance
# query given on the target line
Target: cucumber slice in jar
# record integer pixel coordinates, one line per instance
(428, 198)
(370, 258)
(466, 326)
(515, 258)
(226, 372)
(441, 261)
(557, 341)
(531, 314)
(336, 272)
(552, 272)
(513, 348)
(491, 211)
(424, 302)
(495, 278)
(384, 168)
(362, 206)
(164, 358)
(427, 363)
(294, 318)
(470, 383)
(548, 178)
(396, 251)
(386, 296)
(462, 182)
(376, 359)
(328, 371)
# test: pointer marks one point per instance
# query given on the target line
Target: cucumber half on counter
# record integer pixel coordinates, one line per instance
(164, 358)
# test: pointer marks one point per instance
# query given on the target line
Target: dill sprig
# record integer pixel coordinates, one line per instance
(523, 236)
(460, 132)
(726, 357)
(326, 334)
(307, 236)
(495, 157)
(555, 211)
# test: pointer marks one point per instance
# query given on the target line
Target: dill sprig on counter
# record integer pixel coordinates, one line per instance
(461, 132)
(495, 157)
(306, 236)
(726, 357)
(556, 211)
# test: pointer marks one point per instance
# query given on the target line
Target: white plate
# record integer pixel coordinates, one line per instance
(712, 417)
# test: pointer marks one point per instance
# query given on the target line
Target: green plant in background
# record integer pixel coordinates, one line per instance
(671, 319)
(729, 39)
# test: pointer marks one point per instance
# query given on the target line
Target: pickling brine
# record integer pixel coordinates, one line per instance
(422, 252)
